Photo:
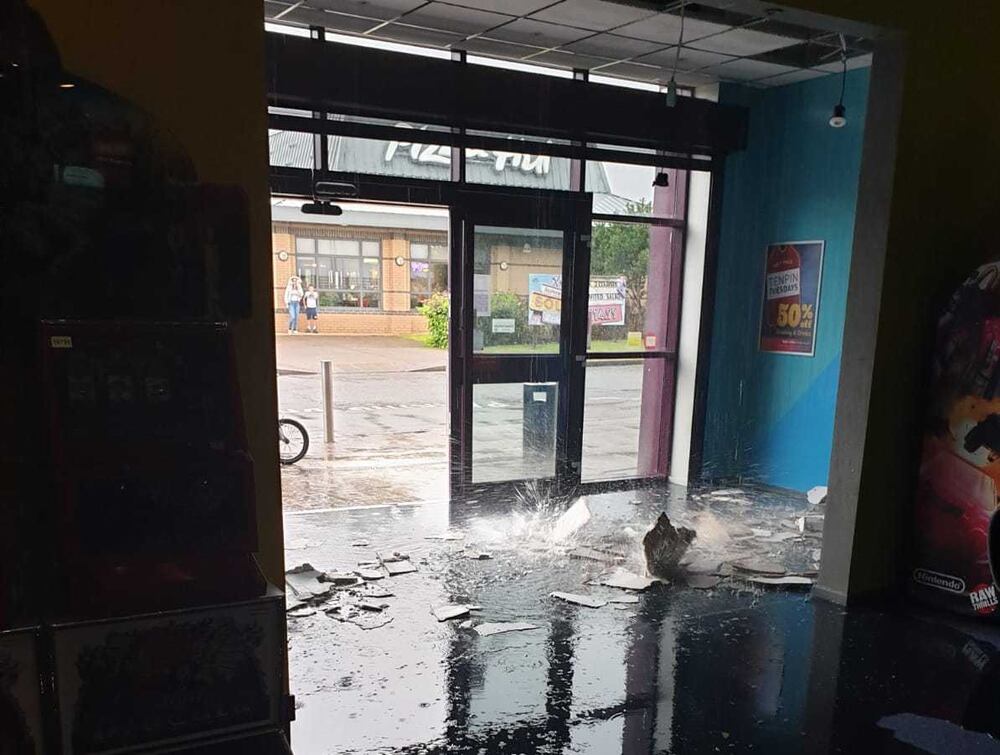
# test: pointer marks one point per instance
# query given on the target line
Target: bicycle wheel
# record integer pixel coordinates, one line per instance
(293, 441)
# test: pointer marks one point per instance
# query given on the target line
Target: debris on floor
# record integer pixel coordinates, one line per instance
(623, 579)
(445, 613)
(489, 629)
(593, 554)
(791, 580)
(305, 581)
(359, 544)
(811, 524)
(759, 566)
(664, 546)
(627, 600)
(574, 518)
(702, 581)
(816, 495)
(447, 536)
(479, 556)
(580, 600)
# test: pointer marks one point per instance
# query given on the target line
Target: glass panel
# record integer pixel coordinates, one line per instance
(324, 274)
(324, 246)
(439, 252)
(290, 149)
(513, 431)
(371, 248)
(513, 168)
(371, 272)
(623, 189)
(412, 159)
(346, 247)
(630, 274)
(418, 251)
(622, 410)
(517, 285)
(305, 268)
(346, 273)
(305, 246)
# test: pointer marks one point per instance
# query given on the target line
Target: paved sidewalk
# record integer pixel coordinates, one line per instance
(303, 353)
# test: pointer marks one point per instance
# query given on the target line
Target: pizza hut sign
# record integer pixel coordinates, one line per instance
(439, 154)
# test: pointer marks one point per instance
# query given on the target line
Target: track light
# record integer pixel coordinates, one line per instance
(839, 117)
(662, 179)
(672, 92)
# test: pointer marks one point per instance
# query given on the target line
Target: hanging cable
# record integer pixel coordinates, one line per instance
(672, 85)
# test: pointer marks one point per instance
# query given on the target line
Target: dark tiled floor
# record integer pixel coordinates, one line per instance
(682, 671)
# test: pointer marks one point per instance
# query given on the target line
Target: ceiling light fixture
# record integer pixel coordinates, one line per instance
(526, 248)
(839, 117)
(662, 179)
(672, 84)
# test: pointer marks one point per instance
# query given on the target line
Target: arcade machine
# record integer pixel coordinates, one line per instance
(133, 615)
(955, 555)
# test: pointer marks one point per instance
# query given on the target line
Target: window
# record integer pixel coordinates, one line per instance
(346, 272)
(428, 272)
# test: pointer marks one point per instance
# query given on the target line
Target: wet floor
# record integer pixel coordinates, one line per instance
(737, 668)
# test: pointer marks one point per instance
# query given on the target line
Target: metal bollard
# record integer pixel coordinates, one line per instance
(326, 374)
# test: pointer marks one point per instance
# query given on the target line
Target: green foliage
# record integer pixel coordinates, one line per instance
(623, 249)
(435, 309)
(510, 306)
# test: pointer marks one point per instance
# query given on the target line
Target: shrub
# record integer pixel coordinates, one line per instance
(435, 309)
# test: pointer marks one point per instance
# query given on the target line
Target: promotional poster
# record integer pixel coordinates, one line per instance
(606, 299)
(960, 466)
(792, 274)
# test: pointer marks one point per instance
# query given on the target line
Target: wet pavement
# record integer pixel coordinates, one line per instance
(738, 668)
(391, 432)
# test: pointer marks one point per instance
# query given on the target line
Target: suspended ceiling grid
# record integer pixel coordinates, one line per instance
(744, 41)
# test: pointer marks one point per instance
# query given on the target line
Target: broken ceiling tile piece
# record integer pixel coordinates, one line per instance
(592, 554)
(760, 532)
(816, 495)
(375, 606)
(725, 570)
(371, 574)
(779, 537)
(359, 544)
(445, 613)
(580, 600)
(759, 566)
(467, 624)
(304, 581)
(790, 581)
(448, 536)
(627, 600)
(571, 520)
(341, 579)
(623, 579)
(479, 556)
(810, 524)
(702, 581)
(302, 612)
(370, 591)
(703, 565)
(395, 568)
(489, 629)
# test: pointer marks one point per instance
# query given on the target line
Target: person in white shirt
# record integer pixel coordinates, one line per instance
(311, 300)
(293, 299)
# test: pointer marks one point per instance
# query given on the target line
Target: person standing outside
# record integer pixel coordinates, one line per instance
(311, 299)
(293, 299)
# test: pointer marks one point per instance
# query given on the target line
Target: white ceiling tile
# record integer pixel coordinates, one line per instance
(743, 69)
(636, 72)
(666, 27)
(690, 59)
(743, 42)
(271, 8)
(562, 59)
(454, 19)
(416, 35)
(328, 20)
(497, 49)
(513, 7)
(598, 15)
(792, 77)
(612, 46)
(860, 61)
(686, 79)
(538, 33)
(383, 9)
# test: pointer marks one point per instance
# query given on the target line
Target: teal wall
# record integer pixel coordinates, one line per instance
(770, 416)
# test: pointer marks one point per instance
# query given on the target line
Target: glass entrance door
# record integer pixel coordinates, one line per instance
(520, 314)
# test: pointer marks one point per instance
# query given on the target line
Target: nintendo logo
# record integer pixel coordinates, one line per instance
(940, 581)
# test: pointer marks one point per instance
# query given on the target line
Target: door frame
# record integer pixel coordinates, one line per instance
(569, 212)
